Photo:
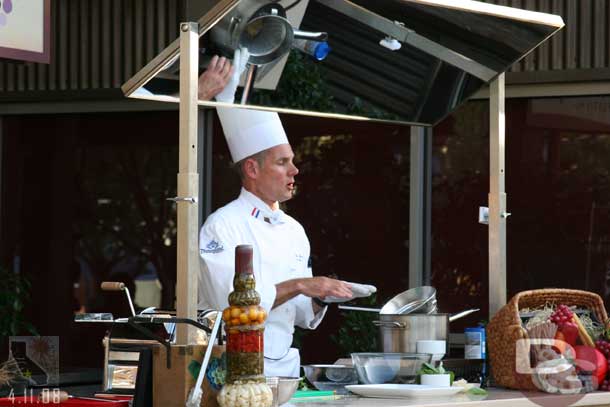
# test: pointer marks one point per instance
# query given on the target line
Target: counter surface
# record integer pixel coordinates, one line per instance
(496, 397)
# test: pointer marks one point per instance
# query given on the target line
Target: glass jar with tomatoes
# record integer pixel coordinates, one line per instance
(244, 323)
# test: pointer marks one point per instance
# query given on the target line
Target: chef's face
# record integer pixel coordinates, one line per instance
(274, 179)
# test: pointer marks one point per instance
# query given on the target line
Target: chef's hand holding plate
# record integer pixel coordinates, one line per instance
(358, 291)
(321, 287)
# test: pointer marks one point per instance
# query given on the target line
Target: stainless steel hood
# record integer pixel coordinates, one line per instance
(448, 50)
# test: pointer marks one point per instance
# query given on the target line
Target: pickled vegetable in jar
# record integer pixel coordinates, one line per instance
(244, 323)
(253, 315)
(245, 341)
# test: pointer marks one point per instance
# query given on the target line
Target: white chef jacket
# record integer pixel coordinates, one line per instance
(281, 252)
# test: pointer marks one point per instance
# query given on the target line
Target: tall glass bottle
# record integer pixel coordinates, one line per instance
(244, 323)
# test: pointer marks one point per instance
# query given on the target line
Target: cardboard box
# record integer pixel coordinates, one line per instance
(171, 386)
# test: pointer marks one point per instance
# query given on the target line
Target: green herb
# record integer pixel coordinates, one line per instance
(243, 365)
(303, 384)
(477, 391)
(606, 333)
(427, 368)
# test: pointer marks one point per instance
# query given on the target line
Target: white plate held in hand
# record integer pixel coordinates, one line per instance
(401, 390)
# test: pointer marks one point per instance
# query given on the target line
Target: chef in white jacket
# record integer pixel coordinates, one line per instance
(289, 293)
(264, 159)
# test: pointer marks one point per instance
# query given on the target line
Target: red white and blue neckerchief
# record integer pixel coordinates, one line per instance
(273, 218)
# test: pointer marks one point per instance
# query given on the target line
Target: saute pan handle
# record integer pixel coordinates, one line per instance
(350, 308)
(462, 314)
(393, 324)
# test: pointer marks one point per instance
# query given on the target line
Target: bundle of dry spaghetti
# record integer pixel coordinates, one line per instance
(538, 335)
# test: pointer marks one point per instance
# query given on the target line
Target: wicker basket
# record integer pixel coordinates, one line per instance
(505, 329)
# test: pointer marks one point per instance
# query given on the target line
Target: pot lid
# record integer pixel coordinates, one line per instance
(415, 300)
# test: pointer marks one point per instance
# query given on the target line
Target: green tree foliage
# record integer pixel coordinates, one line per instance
(302, 86)
(14, 293)
(357, 332)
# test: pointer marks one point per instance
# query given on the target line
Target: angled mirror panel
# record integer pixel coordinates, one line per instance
(412, 61)
(164, 65)
(493, 36)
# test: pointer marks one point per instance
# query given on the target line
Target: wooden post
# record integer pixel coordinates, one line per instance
(188, 185)
(497, 197)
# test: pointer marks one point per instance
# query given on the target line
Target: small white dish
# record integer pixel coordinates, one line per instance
(438, 380)
(401, 390)
(431, 346)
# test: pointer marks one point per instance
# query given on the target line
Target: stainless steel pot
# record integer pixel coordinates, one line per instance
(400, 332)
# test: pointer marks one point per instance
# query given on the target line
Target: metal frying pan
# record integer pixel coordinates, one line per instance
(420, 300)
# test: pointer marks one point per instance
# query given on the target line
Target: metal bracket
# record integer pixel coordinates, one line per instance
(188, 199)
(505, 214)
(133, 322)
(136, 320)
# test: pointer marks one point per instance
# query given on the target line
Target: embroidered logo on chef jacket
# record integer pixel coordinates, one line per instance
(212, 247)
(299, 259)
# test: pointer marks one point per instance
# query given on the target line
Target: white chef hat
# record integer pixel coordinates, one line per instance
(250, 131)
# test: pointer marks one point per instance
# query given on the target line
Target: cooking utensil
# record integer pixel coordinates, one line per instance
(333, 373)
(412, 391)
(286, 387)
(436, 348)
(194, 399)
(56, 397)
(378, 368)
(330, 377)
(461, 314)
(119, 286)
(400, 333)
(350, 308)
(415, 300)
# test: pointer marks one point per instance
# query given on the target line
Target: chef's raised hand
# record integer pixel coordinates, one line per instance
(358, 290)
(240, 60)
(215, 78)
(322, 287)
(314, 287)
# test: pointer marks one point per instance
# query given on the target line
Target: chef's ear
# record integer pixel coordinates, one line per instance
(251, 168)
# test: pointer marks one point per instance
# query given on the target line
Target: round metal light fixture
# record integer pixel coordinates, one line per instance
(262, 28)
